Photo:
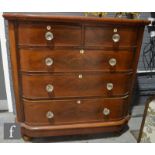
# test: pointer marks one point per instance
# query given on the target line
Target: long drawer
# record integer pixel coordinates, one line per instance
(46, 60)
(52, 112)
(47, 86)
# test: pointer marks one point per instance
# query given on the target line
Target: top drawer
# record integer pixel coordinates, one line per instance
(52, 34)
(109, 36)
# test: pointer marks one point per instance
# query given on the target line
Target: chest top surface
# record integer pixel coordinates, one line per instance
(71, 17)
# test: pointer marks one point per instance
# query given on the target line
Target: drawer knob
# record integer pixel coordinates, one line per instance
(49, 88)
(110, 86)
(112, 62)
(116, 38)
(48, 27)
(49, 61)
(115, 30)
(49, 114)
(106, 111)
(78, 102)
(80, 76)
(49, 36)
(82, 51)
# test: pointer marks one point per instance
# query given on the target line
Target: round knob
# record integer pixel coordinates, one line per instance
(80, 76)
(116, 38)
(49, 61)
(49, 36)
(81, 51)
(106, 111)
(112, 62)
(115, 30)
(49, 88)
(48, 27)
(49, 114)
(78, 101)
(110, 86)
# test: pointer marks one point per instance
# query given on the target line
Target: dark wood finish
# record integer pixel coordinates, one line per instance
(33, 60)
(64, 35)
(94, 35)
(89, 110)
(135, 63)
(73, 129)
(26, 138)
(102, 36)
(46, 17)
(69, 85)
(15, 68)
(29, 49)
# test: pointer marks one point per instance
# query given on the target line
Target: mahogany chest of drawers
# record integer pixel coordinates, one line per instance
(73, 75)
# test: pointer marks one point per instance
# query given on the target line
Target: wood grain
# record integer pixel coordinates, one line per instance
(89, 110)
(33, 60)
(73, 19)
(75, 76)
(34, 34)
(102, 36)
(15, 67)
(69, 85)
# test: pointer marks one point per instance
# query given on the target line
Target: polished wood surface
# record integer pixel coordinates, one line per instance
(15, 70)
(70, 85)
(63, 35)
(88, 110)
(33, 60)
(94, 35)
(46, 17)
(79, 72)
(101, 36)
(73, 129)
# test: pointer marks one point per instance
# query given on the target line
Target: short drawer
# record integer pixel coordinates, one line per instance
(45, 60)
(48, 34)
(110, 36)
(75, 85)
(55, 112)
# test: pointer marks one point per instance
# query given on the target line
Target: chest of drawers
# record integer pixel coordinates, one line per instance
(73, 75)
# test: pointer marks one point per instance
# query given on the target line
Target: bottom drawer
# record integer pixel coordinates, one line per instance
(56, 112)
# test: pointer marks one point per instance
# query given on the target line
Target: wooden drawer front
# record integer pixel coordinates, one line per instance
(34, 60)
(75, 85)
(73, 111)
(102, 36)
(63, 35)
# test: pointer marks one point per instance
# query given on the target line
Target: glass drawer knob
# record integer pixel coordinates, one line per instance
(49, 114)
(106, 111)
(49, 61)
(78, 101)
(112, 62)
(49, 88)
(116, 38)
(115, 30)
(110, 86)
(49, 36)
(80, 76)
(48, 27)
(82, 51)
